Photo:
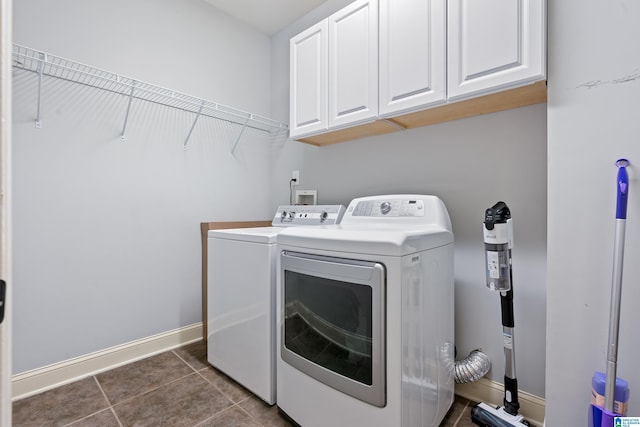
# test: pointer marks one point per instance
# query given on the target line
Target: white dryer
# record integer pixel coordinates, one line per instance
(241, 296)
(365, 316)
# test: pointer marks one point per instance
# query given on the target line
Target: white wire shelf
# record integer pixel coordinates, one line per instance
(45, 64)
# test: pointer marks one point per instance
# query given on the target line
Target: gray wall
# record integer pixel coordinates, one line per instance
(106, 233)
(594, 88)
(470, 164)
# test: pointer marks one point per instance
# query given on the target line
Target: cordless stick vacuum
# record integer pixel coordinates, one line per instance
(498, 241)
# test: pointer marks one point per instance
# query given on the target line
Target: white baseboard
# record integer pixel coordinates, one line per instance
(41, 379)
(492, 392)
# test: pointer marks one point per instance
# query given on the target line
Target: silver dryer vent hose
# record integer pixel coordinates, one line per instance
(472, 368)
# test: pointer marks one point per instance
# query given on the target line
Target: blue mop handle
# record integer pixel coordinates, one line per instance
(623, 187)
(616, 286)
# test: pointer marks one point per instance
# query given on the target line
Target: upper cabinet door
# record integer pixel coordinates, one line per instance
(412, 54)
(494, 44)
(308, 74)
(353, 63)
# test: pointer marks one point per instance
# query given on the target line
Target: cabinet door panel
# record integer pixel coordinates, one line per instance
(353, 64)
(308, 74)
(500, 39)
(494, 45)
(412, 54)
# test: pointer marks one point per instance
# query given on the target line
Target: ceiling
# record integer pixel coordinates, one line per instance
(267, 16)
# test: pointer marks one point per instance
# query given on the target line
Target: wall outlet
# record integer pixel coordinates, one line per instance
(295, 176)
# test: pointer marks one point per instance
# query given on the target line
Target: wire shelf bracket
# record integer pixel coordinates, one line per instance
(126, 117)
(43, 58)
(45, 64)
(233, 150)
(193, 125)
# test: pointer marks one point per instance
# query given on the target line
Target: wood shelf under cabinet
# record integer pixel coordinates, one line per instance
(535, 93)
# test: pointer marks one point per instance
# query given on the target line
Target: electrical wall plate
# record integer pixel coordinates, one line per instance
(306, 197)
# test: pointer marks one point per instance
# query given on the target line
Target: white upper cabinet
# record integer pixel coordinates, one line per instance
(413, 63)
(494, 45)
(308, 74)
(353, 63)
(413, 36)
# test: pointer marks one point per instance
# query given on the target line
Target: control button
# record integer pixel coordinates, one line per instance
(385, 208)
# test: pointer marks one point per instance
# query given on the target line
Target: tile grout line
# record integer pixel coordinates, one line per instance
(184, 361)
(111, 408)
(70, 424)
(211, 417)
(101, 390)
(466, 405)
(108, 407)
(236, 404)
(113, 411)
(248, 413)
(198, 372)
(155, 388)
(218, 413)
(204, 378)
(216, 387)
(151, 390)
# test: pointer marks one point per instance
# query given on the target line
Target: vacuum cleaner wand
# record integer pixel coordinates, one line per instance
(498, 242)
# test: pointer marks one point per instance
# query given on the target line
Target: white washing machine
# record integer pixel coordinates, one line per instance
(241, 296)
(365, 316)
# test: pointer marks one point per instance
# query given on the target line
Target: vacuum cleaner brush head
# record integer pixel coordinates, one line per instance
(487, 416)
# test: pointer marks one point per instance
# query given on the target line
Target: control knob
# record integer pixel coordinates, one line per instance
(385, 208)
(323, 216)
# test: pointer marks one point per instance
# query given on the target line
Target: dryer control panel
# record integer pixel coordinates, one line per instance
(389, 208)
(397, 210)
(292, 215)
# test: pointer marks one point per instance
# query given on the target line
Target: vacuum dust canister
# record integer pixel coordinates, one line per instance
(498, 232)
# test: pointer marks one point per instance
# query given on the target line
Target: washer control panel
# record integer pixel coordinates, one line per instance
(291, 215)
(389, 208)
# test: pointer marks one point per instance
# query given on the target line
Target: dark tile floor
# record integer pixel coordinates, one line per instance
(175, 388)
